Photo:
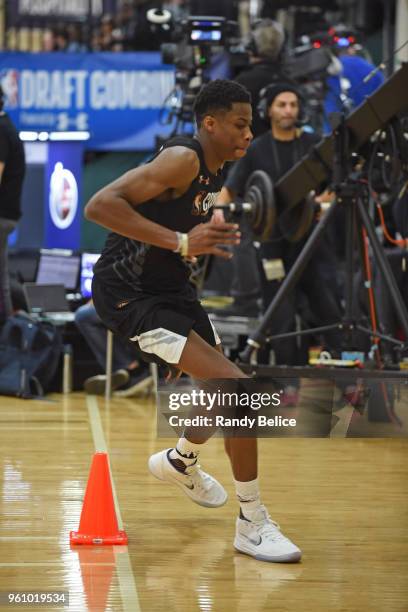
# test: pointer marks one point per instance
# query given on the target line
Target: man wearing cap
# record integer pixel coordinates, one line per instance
(276, 152)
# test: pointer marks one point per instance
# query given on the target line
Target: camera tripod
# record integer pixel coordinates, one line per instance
(349, 194)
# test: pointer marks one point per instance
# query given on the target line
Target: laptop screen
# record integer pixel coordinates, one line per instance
(87, 263)
(58, 269)
(46, 298)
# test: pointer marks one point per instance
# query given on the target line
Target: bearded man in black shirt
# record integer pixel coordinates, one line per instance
(276, 152)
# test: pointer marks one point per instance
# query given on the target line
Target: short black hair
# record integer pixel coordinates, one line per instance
(1, 98)
(218, 95)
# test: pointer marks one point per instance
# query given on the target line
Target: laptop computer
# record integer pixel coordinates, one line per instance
(48, 301)
(56, 268)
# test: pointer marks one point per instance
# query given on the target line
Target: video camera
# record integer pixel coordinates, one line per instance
(202, 32)
(195, 41)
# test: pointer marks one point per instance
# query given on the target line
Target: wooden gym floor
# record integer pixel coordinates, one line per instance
(343, 501)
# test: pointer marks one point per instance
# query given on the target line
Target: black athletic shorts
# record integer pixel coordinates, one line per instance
(159, 325)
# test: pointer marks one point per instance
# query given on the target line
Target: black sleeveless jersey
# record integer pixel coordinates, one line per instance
(150, 270)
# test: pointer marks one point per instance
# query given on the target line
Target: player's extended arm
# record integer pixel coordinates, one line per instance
(175, 168)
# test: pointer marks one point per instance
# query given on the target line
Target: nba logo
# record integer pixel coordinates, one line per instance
(63, 196)
(9, 84)
(62, 192)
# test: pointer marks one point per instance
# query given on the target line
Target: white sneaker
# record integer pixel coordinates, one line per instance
(262, 539)
(202, 488)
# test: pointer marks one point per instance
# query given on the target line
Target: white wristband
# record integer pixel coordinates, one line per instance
(182, 244)
(178, 248)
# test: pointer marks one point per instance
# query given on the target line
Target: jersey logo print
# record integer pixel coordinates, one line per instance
(203, 202)
(204, 180)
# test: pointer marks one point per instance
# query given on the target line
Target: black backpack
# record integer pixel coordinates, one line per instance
(29, 356)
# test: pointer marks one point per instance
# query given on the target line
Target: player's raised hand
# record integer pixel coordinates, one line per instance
(206, 238)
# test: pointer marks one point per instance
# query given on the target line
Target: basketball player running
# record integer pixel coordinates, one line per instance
(141, 291)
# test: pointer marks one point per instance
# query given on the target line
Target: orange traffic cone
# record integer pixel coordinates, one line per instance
(98, 523)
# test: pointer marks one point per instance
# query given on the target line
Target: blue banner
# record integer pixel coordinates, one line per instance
(63, 181)
(114, 96)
